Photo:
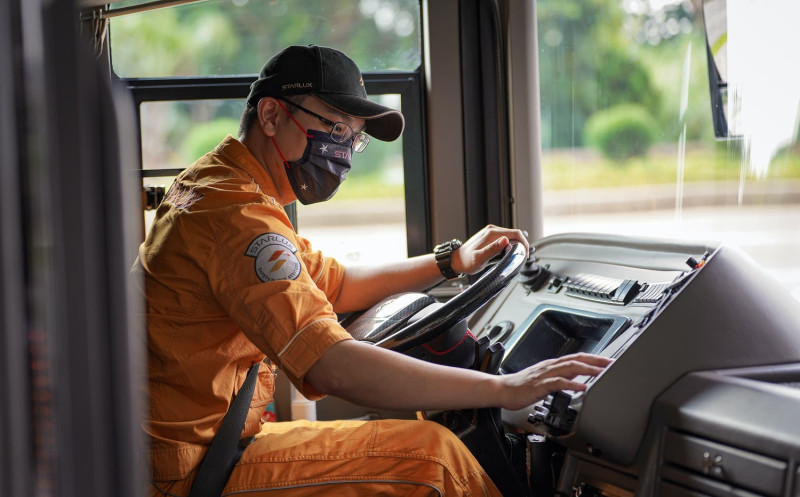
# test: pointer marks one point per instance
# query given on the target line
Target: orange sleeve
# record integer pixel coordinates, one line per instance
(327, 272)
(259, 274)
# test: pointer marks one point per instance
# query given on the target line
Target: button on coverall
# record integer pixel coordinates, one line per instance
(228, 283)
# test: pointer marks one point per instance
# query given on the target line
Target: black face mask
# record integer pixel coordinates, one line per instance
(322, 168)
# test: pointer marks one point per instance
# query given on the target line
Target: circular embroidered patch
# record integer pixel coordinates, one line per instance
(275, 257)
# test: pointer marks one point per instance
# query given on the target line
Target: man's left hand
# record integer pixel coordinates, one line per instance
(473, 255)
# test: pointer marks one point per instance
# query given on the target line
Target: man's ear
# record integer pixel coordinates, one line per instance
(268, 114)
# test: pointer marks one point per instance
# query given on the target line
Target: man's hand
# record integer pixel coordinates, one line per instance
(485, 244)
(371, 376)
(536, 382)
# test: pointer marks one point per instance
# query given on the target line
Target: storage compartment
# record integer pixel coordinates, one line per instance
(723, 463)
(666, 489)
(552, 331)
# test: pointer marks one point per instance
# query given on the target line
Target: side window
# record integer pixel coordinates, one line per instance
(628, 142)
(189, 68)
(174, 134)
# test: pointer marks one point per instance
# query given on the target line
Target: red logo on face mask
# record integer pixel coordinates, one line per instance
(342, 154)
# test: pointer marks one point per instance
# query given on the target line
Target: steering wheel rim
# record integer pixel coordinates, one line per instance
(462, 305)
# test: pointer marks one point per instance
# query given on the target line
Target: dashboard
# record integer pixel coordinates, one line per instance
(703, 394)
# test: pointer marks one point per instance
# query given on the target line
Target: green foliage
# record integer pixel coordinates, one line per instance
(595, 55)
(162, 42)
(586, 65)
(622, 79)
(204, 137)
(221, 37)
(669, 64)
(225, 37)
(621, 132)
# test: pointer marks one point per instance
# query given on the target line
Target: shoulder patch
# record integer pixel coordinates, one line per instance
(275, 257)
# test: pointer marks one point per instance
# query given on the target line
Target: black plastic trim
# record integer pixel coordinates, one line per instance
(485, 104)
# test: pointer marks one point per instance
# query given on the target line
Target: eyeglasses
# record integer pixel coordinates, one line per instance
(340, 132)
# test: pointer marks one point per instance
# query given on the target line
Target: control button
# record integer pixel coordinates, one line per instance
(710, 463)
(533, 276)
(501, 331)
(555, 283)
(555, 413)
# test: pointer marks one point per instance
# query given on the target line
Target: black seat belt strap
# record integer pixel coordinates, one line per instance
(218, 464)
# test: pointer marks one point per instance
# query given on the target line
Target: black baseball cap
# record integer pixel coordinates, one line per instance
(331, 76)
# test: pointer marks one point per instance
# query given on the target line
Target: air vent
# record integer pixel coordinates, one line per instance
(602, 289)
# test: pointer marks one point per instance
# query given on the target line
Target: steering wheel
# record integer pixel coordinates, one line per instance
(449, 313)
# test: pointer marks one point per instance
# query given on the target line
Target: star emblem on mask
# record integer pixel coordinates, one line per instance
(323, 148)
(304, 186)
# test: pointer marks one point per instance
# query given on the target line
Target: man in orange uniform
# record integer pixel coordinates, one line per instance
(229, 283)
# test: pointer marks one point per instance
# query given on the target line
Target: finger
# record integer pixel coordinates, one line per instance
(571, 369)
(579, 357)
(594, 360)
(519, 236)
(556, 384)
(485, 253)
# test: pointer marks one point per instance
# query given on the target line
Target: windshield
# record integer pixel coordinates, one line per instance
(628, 139)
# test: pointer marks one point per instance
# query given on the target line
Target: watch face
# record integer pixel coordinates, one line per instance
(447, 247)
(444, 250)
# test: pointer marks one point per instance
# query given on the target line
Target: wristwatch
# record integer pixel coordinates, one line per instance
(444, 257)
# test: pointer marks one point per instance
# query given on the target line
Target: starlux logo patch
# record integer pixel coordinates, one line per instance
(275, 257)
(296, 86)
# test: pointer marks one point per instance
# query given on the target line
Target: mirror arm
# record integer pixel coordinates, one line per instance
(717, 87)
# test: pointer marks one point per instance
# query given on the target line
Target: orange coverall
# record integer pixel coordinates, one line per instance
(227, 282)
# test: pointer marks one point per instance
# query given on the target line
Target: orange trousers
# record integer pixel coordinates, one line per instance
(352, 458)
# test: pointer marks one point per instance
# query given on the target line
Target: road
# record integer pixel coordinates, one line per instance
(770, 234)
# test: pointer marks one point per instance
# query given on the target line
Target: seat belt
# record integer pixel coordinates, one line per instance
(221, 457)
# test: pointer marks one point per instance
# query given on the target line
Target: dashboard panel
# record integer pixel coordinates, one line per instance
(673, 316)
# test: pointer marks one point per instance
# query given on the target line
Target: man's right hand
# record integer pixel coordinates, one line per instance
(536, 382)
(374, 377)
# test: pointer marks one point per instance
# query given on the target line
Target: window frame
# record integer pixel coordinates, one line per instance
(407, 84)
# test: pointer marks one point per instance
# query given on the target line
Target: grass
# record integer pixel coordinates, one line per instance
(584, 168)
(365, 186)
(578, 168)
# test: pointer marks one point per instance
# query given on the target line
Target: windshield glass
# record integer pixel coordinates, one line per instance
(628, 140)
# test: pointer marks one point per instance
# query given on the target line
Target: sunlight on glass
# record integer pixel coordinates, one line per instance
(684, 105)
(763, 78)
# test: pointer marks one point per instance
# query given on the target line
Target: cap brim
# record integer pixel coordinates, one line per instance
(383, 123)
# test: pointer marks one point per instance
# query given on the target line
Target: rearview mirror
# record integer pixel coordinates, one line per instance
(715, 17)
